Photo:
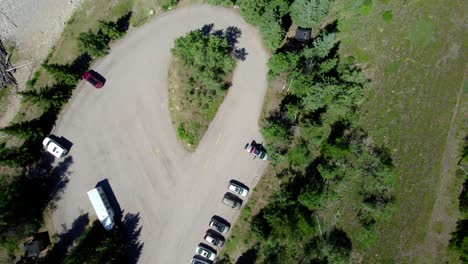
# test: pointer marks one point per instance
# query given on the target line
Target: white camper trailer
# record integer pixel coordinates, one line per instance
(102, 207)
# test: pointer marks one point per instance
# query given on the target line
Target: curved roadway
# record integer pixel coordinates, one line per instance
(123, 133)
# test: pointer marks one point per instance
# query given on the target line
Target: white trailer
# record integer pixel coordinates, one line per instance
(101, 205)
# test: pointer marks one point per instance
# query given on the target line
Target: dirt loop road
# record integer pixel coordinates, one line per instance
(123, 133)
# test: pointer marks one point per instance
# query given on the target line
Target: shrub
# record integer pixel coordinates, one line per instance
(387, 15)
(185, 135)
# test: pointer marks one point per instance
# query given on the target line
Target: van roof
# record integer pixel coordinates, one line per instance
(104, 215)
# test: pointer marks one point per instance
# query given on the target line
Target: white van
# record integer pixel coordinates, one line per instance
(54, 148)
(101, 205)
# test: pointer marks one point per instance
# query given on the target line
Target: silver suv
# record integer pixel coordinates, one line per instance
(218, 225)
(232, 201)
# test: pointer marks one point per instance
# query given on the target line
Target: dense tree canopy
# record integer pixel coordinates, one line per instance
(269, 17)
(309, 13)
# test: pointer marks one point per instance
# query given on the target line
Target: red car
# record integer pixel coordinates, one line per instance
(94, 78)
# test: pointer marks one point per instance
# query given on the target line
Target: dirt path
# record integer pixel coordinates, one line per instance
(444, 214)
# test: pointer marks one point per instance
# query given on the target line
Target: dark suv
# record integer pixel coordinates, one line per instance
(218, 225)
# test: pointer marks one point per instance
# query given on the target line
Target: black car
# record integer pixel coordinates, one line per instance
(219, 226)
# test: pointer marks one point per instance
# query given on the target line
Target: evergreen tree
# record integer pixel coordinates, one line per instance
(309, 13)
(111, 30)
(25, 130)
(282, 62)
(323, 45)
(48, 96)
(62, 73)
(15, 157)
(96, 45)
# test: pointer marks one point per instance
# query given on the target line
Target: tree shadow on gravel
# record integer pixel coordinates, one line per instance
(231, 34)
(64, 242)
(132, 227)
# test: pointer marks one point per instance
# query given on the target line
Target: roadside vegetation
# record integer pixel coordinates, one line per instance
(458, 243)
(324, 159)
(29, 185)
(340, 164)
(94, 244)
(32, 184)
(273, 18)
(199, 78)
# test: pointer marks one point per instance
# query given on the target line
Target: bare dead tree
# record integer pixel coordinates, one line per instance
(6, 77)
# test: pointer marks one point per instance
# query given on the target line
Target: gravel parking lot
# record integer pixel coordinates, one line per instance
(123, 133)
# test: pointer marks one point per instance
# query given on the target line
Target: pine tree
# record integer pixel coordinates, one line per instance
(25, 130)
(48, 96)
(96, 45)
(309, 13)
(323, 45)
(62, 73)
(111, 30)
(282, 62)
(14, 157)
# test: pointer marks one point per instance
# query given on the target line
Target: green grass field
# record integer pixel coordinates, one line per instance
(414, 52)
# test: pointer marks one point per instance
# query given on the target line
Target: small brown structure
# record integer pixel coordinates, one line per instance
(302, 34)
(36, 245)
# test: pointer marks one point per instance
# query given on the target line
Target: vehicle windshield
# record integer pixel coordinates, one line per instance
(92, 80)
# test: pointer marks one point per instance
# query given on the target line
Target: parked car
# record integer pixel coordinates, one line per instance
(219, 226)
(232, 201)
(205, 252)
(54, 148)
(200, 260)
(93, 78)
(237, 188)
(256, 150)
(214, 239)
